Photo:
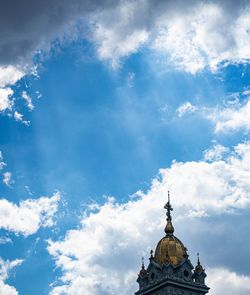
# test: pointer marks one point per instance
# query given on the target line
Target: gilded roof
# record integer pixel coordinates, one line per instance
(170, 250)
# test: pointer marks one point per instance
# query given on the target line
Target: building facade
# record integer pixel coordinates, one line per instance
(170, 272)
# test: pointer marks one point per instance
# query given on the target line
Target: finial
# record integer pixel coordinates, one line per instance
(142, 262)
(151, 254)
(143, 272)
(169, 229)
(198, 267)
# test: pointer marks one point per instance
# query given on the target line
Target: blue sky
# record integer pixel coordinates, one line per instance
(99, 117)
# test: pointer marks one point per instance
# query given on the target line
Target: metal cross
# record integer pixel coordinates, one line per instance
(169, 208)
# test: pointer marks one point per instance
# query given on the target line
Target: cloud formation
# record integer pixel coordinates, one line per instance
(7, 178)
(5, 102)
(206, 36)
(215, 153)
(9, 75)
(5, 268)
(27, 217)
(28, 29)
(19, 118)
(102, 255)
(31, 26)
(193, 35)
(185, 108)
(2, 163)
(226, 282)
(232, 116)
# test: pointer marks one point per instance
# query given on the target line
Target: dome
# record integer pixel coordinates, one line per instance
(170, 250)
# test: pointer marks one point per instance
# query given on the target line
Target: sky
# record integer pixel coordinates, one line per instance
(104, 108)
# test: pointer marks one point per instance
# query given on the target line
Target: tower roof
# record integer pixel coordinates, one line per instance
(170, 249)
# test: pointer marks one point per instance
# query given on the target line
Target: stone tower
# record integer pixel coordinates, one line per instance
(170, 272)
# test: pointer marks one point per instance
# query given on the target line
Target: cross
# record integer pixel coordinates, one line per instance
(169, 208)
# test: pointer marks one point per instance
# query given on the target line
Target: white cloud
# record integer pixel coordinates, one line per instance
(192, 37)
(116, 37)
(102, 256)
(5, 240)
(19, 118)
(232, 119)
(226, 282)
(5, 268)
(6, 289)
(7, 178)
(130, 79)
(2, 163)
(234, 115)
(215, 153)
(205, 36)
(28, 100)
(5, 102)
(9, 75)
(186, 107)
(29, 215)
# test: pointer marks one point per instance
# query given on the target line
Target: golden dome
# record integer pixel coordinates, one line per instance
(170, 249)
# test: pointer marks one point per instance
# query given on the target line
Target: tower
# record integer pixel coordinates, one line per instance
(170, 272)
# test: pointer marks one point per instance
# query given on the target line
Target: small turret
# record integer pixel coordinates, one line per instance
(143, 271)
(199, 272)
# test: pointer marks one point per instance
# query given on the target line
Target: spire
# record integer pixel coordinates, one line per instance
(151, 255)
(198, 267)
(169, 229)
(143, 271)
